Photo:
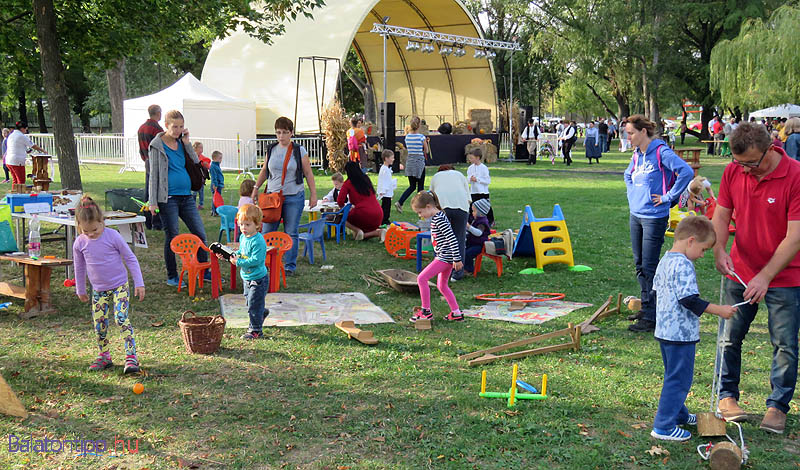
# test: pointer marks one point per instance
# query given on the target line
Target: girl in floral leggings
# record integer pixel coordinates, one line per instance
(102, 254)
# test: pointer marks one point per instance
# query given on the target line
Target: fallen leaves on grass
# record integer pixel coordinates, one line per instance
(656, 450)
(104, 401)
(157, 324)
(624, 434)
(639, 425)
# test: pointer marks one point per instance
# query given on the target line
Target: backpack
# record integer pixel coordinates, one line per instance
(667, 182)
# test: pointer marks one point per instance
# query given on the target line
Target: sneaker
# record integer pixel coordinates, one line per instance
(643, 326)
(691, 420)
(173, 282)
(131, 365)
(253, 335)
(454, 317)
(774, 421)
(730, 410)
(398, 206)
(289, 273)
(102, 362)
(421, 314)
(207, 275)
(674, 434)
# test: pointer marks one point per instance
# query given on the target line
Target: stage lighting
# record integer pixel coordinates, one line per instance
(478, 54)
(460, 52)
(412, 46)
(427, 48)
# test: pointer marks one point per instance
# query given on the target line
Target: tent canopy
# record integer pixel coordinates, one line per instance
(207, 112)
(436, 88)
(781, 111)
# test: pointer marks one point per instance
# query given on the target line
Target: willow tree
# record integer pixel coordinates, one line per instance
(760, 67)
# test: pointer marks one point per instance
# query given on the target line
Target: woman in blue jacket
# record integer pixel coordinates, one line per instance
(651, 192)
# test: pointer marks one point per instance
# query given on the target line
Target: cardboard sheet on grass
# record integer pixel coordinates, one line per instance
(305, 309)
(533, 313)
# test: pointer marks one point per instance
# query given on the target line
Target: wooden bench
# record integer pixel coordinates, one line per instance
(37, 273)
(694, 161)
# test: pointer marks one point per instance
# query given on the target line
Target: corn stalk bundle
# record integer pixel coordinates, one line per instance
(336, 124)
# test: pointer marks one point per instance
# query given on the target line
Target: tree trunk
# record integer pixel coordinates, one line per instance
(645, 89)
(21, 98)
(56, 88)
(40, 115)
(370, 109)
(116, 94)
(40, 105)
(602, 101)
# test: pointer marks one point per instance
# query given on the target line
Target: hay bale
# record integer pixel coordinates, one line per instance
(488, 149)
(335, 125)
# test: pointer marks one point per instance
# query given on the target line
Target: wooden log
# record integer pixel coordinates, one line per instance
(515, 344)
(725, 456)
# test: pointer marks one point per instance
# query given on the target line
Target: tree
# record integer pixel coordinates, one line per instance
(55, 86)
(748, 75)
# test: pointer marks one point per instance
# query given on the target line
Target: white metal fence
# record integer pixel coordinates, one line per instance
(117, 150)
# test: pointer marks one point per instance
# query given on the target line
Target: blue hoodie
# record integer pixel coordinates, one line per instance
(648, 179)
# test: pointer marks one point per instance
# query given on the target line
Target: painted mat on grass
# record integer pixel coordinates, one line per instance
(533, 313)
(305, 309)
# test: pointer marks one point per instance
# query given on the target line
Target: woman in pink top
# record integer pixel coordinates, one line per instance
(102, 255)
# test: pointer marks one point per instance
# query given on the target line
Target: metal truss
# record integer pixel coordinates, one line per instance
(442, 38)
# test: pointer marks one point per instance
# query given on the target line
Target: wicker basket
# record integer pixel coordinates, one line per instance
(201, 335)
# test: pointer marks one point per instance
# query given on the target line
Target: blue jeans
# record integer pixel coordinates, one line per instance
(185, 208)
(783, 321)
(469, 257)
(647, 236)
(678, 374)
(291, 211)
(199, 195)
(254, 293)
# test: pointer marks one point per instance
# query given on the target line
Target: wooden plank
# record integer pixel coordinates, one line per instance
(517, 355)
(596, 314)
(32, 287)
(37, 262)
(9, 403)
(12, 290)
(514, 344)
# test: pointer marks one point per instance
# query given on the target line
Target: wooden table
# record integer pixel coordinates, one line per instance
(694, 162)
(273, 264)
(36, 277)
(70, 228)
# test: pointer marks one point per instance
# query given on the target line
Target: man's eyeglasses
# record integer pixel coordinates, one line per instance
(751, 164)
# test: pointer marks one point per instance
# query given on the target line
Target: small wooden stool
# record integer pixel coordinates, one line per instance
(498, 261)
(37, 284)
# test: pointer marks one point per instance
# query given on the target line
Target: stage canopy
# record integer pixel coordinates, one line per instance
(432, 86)
(782, 111)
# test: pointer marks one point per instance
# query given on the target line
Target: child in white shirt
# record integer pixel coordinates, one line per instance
(386, 185)
(338, 181)
(479, 179)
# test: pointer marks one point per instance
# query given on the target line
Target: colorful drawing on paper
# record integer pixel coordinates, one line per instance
(532, 314)
(305, 309)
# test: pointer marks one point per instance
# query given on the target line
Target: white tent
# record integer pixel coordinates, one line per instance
(209, 116)
(782, 111)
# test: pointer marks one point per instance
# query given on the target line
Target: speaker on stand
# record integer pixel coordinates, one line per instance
(387, 117)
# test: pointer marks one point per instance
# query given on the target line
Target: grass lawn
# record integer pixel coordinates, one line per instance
(309, 398)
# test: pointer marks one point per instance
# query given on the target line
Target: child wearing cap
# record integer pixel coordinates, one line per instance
(477, 232)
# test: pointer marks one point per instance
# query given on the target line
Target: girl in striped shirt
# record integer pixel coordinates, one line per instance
(447, 259)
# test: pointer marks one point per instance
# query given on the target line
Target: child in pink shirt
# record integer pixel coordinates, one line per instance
(102, 255)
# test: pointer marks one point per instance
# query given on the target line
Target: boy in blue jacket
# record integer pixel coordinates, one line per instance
(217, 178)
(651, 191)
(251, 258)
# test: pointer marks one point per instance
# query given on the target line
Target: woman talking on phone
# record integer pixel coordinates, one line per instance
(171, 191)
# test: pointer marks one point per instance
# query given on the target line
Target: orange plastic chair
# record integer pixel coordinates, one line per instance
(186, 246)
(284, 243)
(498, 262)
(397, 240)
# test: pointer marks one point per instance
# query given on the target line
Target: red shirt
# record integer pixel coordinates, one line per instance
(763, 210)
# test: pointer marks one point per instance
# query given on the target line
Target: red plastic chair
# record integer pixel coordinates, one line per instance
(498, 262)
(283, 243)
(186, 246)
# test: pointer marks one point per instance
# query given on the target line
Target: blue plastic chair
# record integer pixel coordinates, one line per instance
(227, 221)
(338, 228)
(316, 233)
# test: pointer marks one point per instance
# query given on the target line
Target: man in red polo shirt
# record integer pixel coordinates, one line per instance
(763, 186)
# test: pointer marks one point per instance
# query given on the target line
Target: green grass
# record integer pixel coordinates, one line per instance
(309, 398)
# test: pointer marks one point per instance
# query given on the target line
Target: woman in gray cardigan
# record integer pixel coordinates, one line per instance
(170, 189)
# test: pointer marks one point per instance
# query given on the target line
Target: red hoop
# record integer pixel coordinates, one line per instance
(496, 297)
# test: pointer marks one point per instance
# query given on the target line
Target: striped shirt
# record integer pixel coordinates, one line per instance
(444, 241)
(146, 133)
(414, 144)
